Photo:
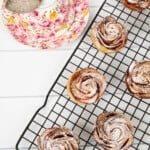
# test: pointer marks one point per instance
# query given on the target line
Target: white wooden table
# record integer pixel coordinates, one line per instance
(26, 74)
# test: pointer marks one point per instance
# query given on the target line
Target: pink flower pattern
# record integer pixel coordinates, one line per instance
(44, 30)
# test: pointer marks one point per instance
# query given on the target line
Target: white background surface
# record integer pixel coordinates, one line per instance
(26, 74)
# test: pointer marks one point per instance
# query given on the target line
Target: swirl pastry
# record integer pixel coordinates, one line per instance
(86, 86)
(138, 79)
(137, 5)
(113, 131)
(109, 35)
(58, 138)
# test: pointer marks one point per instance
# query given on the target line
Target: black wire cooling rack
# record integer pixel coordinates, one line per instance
(59, 110)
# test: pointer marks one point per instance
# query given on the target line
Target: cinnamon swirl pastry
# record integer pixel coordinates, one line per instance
(58, 139)
(137, 5)
(138, 79)
(113, 131)
(109, 35)
(86, 86)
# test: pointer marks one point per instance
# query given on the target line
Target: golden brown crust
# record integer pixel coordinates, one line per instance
(86, 86)
(136, 5)
(59, 138)
(108, 35)
(113, 131)
(138, 79)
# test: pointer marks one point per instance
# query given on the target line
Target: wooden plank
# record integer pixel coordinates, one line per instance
(29, 73)
(15, 114)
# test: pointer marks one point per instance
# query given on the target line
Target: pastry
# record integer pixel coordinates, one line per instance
(136, 5)
(86, 86)
(58, 138)
(109, 35)
(53, 24)
(113, 131)
(138, 79)
(22, 6)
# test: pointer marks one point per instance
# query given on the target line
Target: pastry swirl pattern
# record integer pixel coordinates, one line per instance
(137, 5)
(113, 131)
(58, 138)
(87, 85)
(138, 79)
(110, 34)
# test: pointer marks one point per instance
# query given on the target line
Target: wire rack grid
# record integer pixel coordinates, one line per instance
(59, 110)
